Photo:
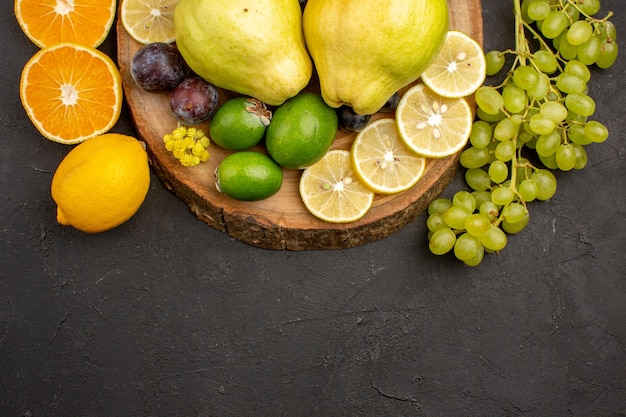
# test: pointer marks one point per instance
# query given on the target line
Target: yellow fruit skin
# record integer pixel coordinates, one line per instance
(254, 48)
(101, 183)
(366, 50)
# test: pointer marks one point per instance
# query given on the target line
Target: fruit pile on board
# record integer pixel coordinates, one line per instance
(267, 55)
(269, 73)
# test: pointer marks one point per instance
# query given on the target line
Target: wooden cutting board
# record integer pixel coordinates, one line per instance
(281, 221)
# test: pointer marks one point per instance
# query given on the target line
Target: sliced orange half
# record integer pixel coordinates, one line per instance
(47, 22)
(71, 92)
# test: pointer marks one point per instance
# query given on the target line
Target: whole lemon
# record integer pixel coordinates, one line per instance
(101, 183)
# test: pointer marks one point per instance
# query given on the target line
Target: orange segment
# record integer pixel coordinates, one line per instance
(47, 22)
(71, 92)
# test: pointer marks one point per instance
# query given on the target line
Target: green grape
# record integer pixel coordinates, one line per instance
(527, 190)
(495, 62)
(476, 259)
(513, 228)
(541, 89)
(579, 32)
(577, 68)
(523, 169)
(506, 129)
(580, 103)
(576, 134)
(554, 111)
(538, 10)
(546, 184)
(505, 151)
(455, 217)
(435, 221)
(545, 61)
(477, 179)
(473, 157)
(547, 144)
(541, 125)
(608, 55)
(476, 224)
(502, 196)
(514, 212)
(595, 131)
(481, 196)
(439, 205)
(572, 13)
(489, 100)
(566, 49)
(607, 31)
(589, 7)
(442, 241)
(570, 83)
(515, 100)
(525, 138)
(498, 172)
(573, 118)
(466, 247)
(490, 210)
(491, 118)
(581, 156)
(589, 52)
(524, 9)
(494, 239)
(481, 134)
(464, 199)
(549, 161)
(565, 157)
(525, 77)
(554, 24)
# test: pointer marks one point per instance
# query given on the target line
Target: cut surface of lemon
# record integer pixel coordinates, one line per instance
(71, 92)
(149, 21)
(459, 69)
(433, 126)
(382, 161)
(47, 22)
(331, 191)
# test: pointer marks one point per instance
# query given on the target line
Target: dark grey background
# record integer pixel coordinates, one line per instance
(165, 316)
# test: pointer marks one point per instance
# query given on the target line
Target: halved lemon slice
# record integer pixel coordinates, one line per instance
(433, 126)
(47, 22)
(71, 92)
(459, 69)
(331, 191)
(382, 161)
(149, 21)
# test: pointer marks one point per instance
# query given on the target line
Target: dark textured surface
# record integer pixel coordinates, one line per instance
(165, 316)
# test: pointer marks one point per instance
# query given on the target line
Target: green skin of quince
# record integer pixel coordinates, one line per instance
(254, 48)
(366, 50)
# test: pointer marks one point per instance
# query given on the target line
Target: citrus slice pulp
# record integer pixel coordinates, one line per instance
(47, 22)
(459, 69)
(149, 21)
(382, 161)
(433, 126)
(71, 92)
(331, 192)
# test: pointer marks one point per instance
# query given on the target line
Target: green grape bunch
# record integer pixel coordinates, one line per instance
(537, 120)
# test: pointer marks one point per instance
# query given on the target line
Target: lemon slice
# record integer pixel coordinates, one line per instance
(149, 21)
(331, 191)
(459, 69)
(433, 126)
(382, 161)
